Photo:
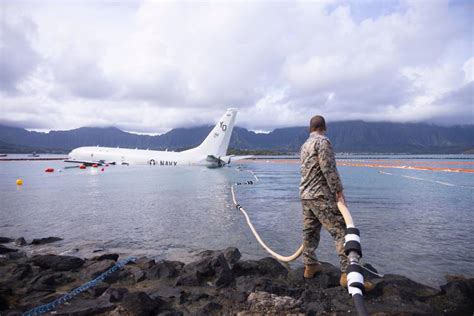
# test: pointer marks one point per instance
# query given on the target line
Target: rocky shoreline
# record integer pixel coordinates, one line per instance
(218, 283)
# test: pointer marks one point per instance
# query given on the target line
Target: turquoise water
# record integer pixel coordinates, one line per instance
(416, 223)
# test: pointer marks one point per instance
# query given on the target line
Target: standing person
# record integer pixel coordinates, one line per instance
(320, 190)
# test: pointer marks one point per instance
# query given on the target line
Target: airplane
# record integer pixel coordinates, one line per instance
(212, 152)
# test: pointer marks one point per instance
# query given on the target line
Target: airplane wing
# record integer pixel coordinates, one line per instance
(90, 162)
(236, 158)
(222, 161)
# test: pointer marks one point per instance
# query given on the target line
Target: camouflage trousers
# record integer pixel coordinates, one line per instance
(318, 213)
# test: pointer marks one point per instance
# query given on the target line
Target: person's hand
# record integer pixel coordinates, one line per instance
(340, 197)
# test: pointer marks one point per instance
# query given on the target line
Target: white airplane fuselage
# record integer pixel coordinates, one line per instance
(211, 152)
(137, 156)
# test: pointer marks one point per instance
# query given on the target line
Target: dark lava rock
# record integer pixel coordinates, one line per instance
(137, 273)
(217, 283)
(146, 263)
(164, 269)
(114, 295)
(213, 269)
(140, 304)
(232, 255)
(21, 271)
(47, 240)
(98, 290)
(460, 291)
(5, 250)
(266, 266)
(57, 263)
(108, 256)
(49, 281)
(20, 241)
(4, 240)
(83, 307)
(93, 269)
(210, 308)
(223, 274)
(3, 304)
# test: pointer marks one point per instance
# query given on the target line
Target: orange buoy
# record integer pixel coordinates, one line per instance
(49, 170)
(19, 182)
(95, 165)
(82, 167)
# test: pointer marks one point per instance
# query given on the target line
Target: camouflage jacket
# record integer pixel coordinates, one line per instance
(319, 176)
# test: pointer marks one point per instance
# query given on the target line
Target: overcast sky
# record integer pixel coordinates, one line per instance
(149, 66)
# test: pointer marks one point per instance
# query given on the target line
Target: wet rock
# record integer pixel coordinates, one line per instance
(21, 271)
(83, 307)
(267, 302)
(93, 269)
(164, 269)
(16, 255)
(460, 291)
(146, 263)
(232, 255)
(114, 295)
(170, 313)
(47, 240)
(3, 304)
(20, 242)
(49, 281)
(139, 304)
(98, 290)
(57, 263)
(210, 308)
(4, 240)
(266, 266)
(5, 250)
(218, 283)
(223, 274)
(137, 273)
(108, 256)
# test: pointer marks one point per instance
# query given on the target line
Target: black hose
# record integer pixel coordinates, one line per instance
(359, 305)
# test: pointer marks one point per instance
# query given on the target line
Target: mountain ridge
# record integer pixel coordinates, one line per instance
(347, 136)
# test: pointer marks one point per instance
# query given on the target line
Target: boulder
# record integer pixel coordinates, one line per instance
(266, 266)
(108, 256)
(93, 269)
(20, 242)
(460, 291)
(163, 269)
(210, 308)
(57, 263)
(267, 302)
(79, 306)
(140, 304)
(47, 240)
(114, 295)
(232, 255)
(5, 250)
(4, 240)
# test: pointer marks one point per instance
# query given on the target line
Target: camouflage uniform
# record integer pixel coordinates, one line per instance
(319, 183)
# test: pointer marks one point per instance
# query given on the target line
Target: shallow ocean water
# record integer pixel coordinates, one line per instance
(416, 223)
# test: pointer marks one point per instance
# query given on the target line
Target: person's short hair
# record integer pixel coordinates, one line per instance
(317, 123)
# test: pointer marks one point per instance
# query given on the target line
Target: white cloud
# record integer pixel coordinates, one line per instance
(150, 66)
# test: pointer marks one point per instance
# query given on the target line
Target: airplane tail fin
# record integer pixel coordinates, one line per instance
(217, 142)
